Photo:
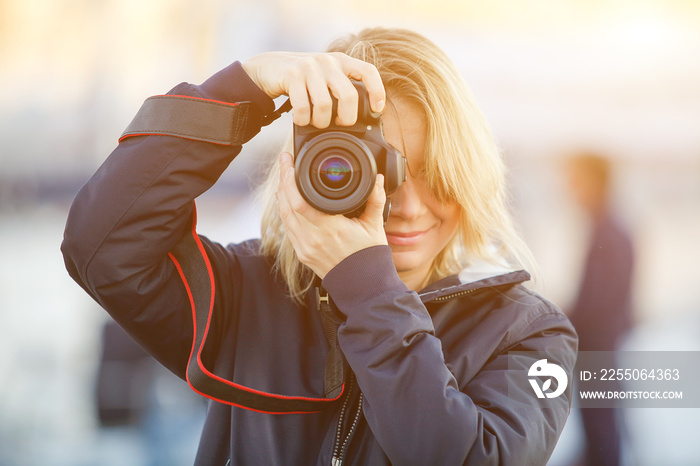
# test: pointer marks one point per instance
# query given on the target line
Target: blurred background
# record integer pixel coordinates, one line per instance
(553, 77)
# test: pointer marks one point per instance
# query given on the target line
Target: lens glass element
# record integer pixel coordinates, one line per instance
(335, 172)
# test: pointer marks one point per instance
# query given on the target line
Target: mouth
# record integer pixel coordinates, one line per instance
(405, 239)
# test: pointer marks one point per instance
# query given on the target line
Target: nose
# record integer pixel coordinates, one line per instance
(405, 201)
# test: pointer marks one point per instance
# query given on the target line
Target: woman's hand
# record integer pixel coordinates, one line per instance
(310, 79)
(322, 241)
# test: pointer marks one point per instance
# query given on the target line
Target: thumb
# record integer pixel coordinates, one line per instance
(374, 211)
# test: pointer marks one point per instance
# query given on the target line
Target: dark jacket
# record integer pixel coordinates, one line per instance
(432, 366)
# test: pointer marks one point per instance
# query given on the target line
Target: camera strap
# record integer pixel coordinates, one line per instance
(199, 119)
(195, 269)
(334, 376)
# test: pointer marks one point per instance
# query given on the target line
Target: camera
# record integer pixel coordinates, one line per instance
(336, 167)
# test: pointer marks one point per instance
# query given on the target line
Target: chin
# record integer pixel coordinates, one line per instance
(405, 261)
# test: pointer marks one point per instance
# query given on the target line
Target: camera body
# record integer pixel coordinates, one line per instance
(336, 167)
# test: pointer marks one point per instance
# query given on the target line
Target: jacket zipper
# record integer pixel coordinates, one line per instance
(340, 448)
(455, 295)
(511, 281)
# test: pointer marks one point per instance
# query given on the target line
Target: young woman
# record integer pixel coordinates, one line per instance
(427, 305)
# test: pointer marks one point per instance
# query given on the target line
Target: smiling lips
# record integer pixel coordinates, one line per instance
(405, 239)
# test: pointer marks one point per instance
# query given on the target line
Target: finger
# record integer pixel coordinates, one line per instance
(287, 214)
(321, 102)
(347, 97)
(284, 208)
(289, 190)
(369, 75)
(374, 211)
(285, 161)
(301, 107)
(291, 227)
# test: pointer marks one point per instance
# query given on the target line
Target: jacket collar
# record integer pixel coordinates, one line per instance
(476, 276)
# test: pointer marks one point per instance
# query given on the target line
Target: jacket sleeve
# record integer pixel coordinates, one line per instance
(416, 408)
(136, 208)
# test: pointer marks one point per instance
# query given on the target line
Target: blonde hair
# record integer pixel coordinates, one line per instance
(462, 160)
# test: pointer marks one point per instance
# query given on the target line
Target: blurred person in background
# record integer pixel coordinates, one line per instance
(602, 309)
(426, 304)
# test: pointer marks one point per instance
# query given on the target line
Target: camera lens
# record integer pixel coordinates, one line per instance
(335, 172)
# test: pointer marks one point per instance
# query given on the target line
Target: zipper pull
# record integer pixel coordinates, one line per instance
(336, 461)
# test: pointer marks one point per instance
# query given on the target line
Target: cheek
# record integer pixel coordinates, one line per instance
(449, 221)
